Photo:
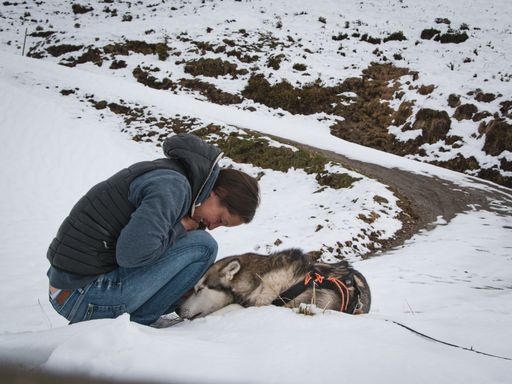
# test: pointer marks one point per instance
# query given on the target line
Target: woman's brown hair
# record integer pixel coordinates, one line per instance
(238, 192)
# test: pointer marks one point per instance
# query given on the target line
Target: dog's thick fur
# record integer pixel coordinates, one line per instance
(256, 280)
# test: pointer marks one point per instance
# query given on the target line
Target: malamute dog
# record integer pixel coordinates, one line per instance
(286, 278)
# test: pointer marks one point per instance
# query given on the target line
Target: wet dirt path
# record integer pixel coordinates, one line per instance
(425, 199)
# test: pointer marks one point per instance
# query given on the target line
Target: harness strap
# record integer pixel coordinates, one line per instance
(343, 291)
(318, 279)
(290, 294)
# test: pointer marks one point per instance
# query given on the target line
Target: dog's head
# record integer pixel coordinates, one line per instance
(213, 292)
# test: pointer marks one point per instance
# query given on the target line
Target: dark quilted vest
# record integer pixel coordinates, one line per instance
(86, 241)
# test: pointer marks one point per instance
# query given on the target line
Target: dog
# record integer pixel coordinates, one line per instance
(287, 278)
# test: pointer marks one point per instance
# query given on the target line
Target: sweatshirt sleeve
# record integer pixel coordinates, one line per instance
(162, 198)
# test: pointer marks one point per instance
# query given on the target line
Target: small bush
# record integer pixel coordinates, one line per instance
(452, 38)
(340, 36)
(336, 180)
(428, 34)
(434, 124)
(498, 136)
(370, 39)
(211, 68)
(59, 50)
(485, 97)
(212, 93)
(80, 9)
(397, 36)
(453, 100)
(256, 150)
(465, 112)
(312, 98)
(426, 89)
(274, 61)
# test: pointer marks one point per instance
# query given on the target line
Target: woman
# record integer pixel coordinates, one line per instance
(135, 242)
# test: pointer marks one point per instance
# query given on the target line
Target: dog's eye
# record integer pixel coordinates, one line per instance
(199, 289)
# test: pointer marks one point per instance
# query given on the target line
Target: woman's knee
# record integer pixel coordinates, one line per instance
(206, 243)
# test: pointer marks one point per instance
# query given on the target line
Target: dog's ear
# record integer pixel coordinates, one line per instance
(230, 270)
(314, 256)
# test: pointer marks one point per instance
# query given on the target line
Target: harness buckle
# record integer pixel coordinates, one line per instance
(319, 278)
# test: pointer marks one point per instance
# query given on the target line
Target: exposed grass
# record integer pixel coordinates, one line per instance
(59, 50)
(254, 149)
(396, 36)
(137, 46)
(312, 98)
(213, 68)
(452, 38)
(211, 92)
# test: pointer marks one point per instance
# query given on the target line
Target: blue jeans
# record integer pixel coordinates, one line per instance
(145, 292)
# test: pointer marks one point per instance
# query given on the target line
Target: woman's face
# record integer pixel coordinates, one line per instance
(212, 214)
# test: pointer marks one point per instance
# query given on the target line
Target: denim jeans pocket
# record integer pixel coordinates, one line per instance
(103, 311)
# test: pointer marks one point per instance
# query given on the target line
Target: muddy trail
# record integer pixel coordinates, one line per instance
(424, 199)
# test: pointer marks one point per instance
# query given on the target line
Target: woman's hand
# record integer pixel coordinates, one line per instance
(189, 223)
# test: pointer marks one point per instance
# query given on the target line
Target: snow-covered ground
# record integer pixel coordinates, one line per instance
(453, 283)
(332, 39)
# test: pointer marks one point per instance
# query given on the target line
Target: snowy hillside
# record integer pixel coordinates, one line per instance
(103, 82)
(430, 82)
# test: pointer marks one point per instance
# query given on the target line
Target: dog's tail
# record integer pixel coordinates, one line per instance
(363, 293)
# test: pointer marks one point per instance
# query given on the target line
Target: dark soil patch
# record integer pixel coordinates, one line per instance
(311, 98)
(433, 124)
(42, 34)
(340, 36)
(118, 64)
(485, 97)
(59, 50)
(506, 108)
(396, 36)
(67, 92)
(145, 77)
(459, 163)
(92, 55)
(211, 92)
(506, 165)
(481, 115)
(453, 100)
(274, 61)
(300, 67)
(498, 136)
(208, 90)
(213, 68)
(137, 46)
(465, 112)
(426, 89)
(335, 180)
(79, 9)
(452, 38)
(367, 118)
(404, 112)
(442, 20)
(369, 39)
(495, 176)
(243, 57)
(428, 34)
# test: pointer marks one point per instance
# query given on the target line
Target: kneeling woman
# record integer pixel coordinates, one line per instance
(135, 243)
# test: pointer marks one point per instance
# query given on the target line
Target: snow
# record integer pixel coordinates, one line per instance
(453, 283)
